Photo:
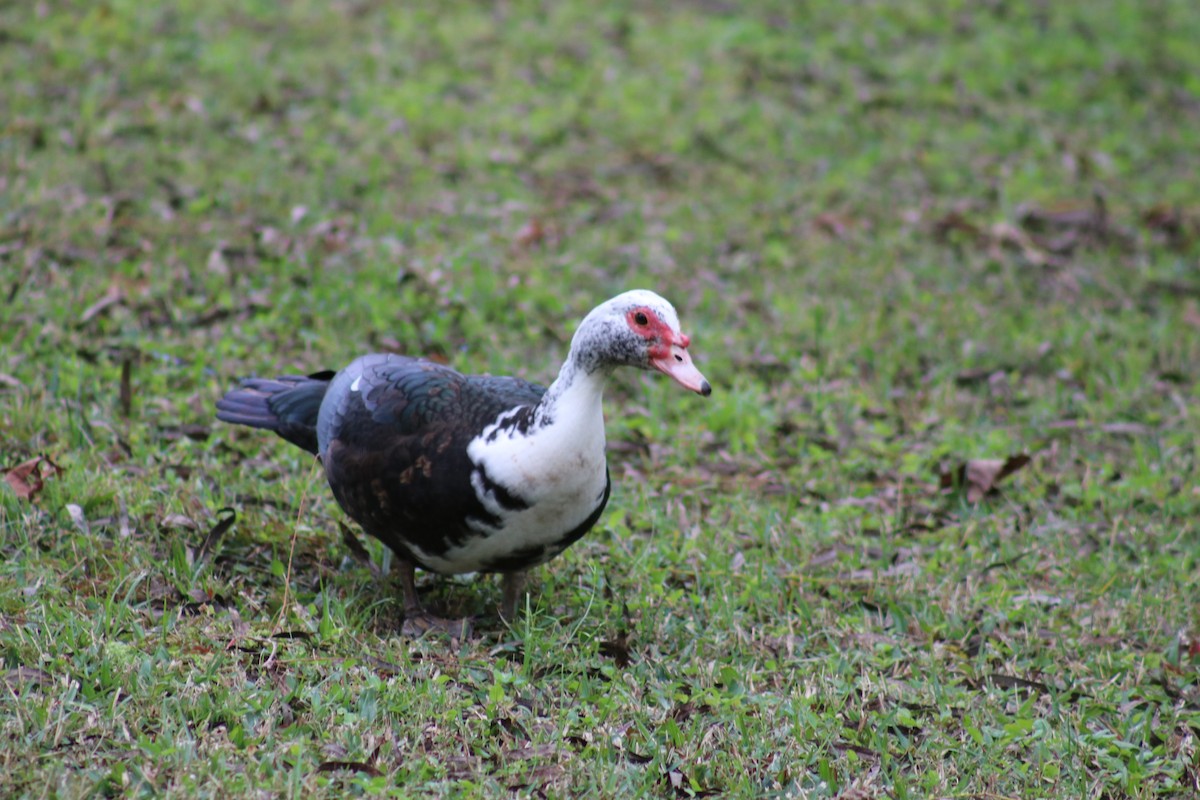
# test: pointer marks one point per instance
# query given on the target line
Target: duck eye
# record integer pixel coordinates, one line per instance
(641, 319)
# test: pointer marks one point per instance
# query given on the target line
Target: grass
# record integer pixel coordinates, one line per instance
(904, 236)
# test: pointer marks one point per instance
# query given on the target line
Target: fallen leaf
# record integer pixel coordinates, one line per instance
(1037, 598)
(1061, 229)
(368, 767)
(24, 479)
(1128, 428)
(1002, 234)
(900, 570)
(178, 521)
(76, 514)
(458, 767)
(531, 233)
(14, 679)
(253, 305)
(215, 533)
(980, 476)
(1172, 225)
(618, 650)
(954, 222)
(28, 478)
(1078, 217)
(835, 225)
(828, 556)
(681, 785)
(114, 295)
(202, 598)
(682, 712)
(1008, 562)
(352, 766)
(194, 431)
(1125, 428)
(216, 263)
(357, 550)
(969, 377)
(865, 753)
(1005, 682)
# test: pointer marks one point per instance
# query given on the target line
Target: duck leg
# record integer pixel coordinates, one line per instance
(512, 586)
(418, 621)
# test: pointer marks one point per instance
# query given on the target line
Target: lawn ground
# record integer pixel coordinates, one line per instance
(933, 535)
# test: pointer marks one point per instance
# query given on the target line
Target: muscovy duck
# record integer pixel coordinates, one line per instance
(470, 473)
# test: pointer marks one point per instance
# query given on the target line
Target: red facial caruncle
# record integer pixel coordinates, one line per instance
(668, 349)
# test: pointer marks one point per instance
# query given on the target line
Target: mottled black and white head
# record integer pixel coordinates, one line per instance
(637, 329)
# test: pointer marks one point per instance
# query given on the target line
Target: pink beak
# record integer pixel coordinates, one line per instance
(678, 365)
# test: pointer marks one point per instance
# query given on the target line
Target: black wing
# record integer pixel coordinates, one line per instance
(410, 395)
(396, 456)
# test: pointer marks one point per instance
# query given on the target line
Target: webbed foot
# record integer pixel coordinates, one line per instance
(418, 622)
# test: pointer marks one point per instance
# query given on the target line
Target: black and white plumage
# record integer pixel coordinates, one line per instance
(470, 473)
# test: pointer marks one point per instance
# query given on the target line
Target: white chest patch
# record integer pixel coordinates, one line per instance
(538, 485)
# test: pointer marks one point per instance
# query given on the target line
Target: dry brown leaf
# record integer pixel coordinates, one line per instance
(979, 476)
(531, 233)
(681, 785)
(955, 222)
(1037, 598)
(28, 477)
(349, 766)
(1127, 428)
(15, 678)
(24, 479)
(677, 780)
(618, 650)
(114, 295)
(226, 517)
(1002, 234)
(1079, 217)
(178, 521)
(1172, 224)
(983, 474)
(835, 225)
(1062, 228)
